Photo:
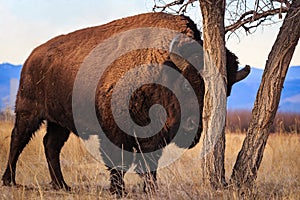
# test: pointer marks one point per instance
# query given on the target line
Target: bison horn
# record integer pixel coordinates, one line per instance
(243, 73)
(180, 62)
(185, 51)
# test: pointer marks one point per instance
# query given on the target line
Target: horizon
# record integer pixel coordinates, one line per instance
(242, 97)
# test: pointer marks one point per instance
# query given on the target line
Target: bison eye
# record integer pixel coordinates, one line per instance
(186, 86)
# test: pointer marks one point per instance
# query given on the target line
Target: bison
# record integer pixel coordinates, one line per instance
(47, 86)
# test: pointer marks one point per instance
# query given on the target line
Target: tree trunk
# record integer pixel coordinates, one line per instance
(267, 99)
(215, 99)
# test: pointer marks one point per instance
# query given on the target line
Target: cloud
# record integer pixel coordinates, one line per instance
(292, 99)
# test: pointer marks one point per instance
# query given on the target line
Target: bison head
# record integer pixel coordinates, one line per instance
(187, 56)
(190, 52)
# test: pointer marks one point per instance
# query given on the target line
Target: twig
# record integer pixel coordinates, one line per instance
(183, 4)
(255, 16)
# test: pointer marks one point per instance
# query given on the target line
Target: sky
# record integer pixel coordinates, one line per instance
(25, 24)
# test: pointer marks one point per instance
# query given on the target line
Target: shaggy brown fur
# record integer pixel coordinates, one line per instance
(46, 87)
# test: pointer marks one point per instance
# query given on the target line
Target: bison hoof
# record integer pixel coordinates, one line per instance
(119, 192)
(63, 186)
(8, 181)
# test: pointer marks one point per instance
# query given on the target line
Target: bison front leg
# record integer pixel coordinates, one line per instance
(53, 141)
(147, 166)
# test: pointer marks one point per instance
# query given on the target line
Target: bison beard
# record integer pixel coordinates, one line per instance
(46, 86)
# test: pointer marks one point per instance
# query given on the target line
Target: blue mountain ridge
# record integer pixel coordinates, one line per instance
(7, 72)
(243, 94)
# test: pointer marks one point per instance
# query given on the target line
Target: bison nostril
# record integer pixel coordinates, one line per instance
(190, 124)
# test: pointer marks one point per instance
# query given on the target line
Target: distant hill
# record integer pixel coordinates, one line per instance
(7, 72)
(244, 92)
(242, 96)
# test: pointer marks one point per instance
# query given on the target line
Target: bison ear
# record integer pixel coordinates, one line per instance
(243, 73)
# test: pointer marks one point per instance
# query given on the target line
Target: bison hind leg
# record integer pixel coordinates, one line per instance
(26, 124)
(146, 167)
(53, 141)
(117, 185)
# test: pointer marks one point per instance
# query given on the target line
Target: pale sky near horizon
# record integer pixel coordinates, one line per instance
(25, 24)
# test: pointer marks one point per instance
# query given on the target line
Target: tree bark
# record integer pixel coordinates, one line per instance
(267, 99)
(215, 99)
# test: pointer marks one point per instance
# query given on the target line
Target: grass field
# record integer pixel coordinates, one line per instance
(278, 178)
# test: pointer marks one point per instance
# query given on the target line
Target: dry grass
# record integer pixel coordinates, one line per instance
(284, 122)
(278, 178)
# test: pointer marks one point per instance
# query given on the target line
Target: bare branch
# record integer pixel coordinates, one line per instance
(241, 13)
(183, 4)
(168, 5)
(254, 17)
